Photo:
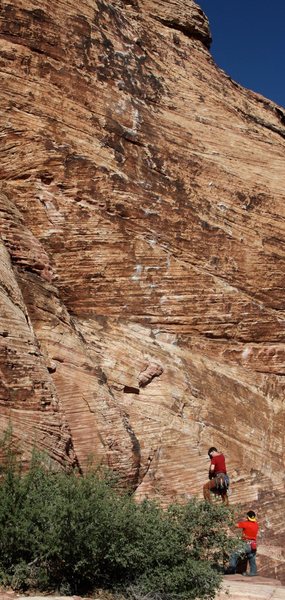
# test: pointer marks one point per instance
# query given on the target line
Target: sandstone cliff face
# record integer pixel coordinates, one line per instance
(142, 253)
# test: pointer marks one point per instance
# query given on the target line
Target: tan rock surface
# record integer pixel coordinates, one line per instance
(257, 588)
(142, 226)
(234, 588)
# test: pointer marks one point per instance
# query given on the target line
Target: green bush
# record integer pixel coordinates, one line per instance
(61, 531)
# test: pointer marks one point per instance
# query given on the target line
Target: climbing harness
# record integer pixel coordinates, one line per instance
(222, 483)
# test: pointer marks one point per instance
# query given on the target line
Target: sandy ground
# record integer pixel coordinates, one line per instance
(235, 587)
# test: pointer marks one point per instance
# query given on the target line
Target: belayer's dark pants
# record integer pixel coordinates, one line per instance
(250, 555)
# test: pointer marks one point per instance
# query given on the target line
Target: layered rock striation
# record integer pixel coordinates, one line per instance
(142, 252)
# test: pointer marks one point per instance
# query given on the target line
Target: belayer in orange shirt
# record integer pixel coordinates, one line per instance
(250, 529)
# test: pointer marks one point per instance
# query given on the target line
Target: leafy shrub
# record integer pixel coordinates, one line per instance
(61, 531)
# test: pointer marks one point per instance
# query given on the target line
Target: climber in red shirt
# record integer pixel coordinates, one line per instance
(218, 478)
(249, 534)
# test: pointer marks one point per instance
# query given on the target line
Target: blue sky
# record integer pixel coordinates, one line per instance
(249, 43)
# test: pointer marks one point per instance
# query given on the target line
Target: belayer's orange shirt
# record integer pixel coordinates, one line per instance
(249, 529)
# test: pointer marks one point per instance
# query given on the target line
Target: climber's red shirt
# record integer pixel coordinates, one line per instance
(219, 464)
(249, 529)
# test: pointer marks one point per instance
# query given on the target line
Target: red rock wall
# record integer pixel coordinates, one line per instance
(142, 253)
